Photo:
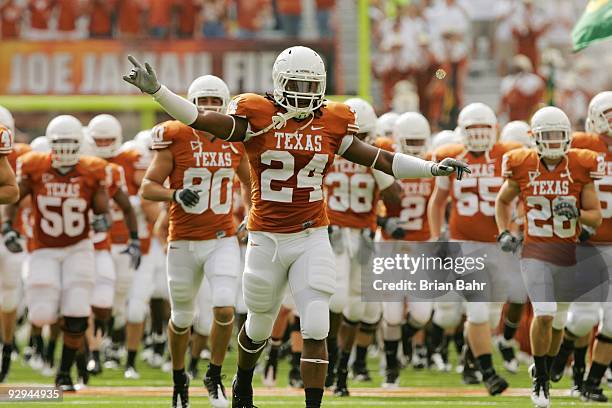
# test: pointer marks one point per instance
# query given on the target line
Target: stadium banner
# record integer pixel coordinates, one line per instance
(95, 67)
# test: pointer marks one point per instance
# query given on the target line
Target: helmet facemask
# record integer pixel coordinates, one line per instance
(413, 146)
(552, 143)
(106, 147)
(65, 151)
(299, 93)
(478, 138)
(602, 122)
(210, 103)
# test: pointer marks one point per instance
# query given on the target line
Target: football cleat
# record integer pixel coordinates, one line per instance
(130, 373)
(495, 384)
(341, 384)
(592, 392)
(578, 379)
(361, 372)
(216, 392)
(269, 374)
(419, 358)
(94, 367)
(156, 360)
(180, 394)
(64, 382)
(506, 349)
(470, 376)
(392, 379)
(330, 379)
(242, 400)
(47, 370)
(540, 389)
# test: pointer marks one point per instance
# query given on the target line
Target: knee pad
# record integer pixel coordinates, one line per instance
(182, 318)
(258, 326)
(315, 321)
(41, 314)
(258, 294)
(544, 308)
(103, 294)
(447, 315)
(393, 313)
(74, 325)
(419, 313)
(10, 298)
(75, 300)
(354, 310)
(203, 323)
(605, 326)
(495, 311)
(372, 313)
(137, 311)
(581, 318)
(477, 312)
(560, 319)
(338, 301)
(223, 290)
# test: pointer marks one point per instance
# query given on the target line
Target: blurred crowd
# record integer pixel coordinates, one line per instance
(428, 48)
(158, 19)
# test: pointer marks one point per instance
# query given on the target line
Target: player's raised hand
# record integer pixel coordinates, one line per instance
(143, 78)
(449, 166)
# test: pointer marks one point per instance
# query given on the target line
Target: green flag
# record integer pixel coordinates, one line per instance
(594, 25)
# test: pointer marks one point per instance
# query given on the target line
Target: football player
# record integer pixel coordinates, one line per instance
(107, 126)
(517, 131)
(408, 222)
(202, 234)
(555, 183)
(582, 316)
(10, 264)
(291, 137)
(352, 198)
(472, 203)
(9, 192)
(126, 251)
(64, 186)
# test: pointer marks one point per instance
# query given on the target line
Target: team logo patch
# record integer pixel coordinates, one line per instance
(196, 145)
(533, 175)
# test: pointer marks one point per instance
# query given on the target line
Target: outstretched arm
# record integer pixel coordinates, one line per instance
(226, 127)
(398, 165)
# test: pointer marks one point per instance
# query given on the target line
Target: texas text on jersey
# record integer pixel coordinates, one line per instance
(473, 198)
(208, 166)
(288, 166)
(597, 144)
(541, 189)
(61, 202)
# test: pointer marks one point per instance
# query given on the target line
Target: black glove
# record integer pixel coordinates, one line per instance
(100, 223)
(187, 197)
(11, 238)
(508, 242)
(134, 252)
(586, 233)
(391, 226)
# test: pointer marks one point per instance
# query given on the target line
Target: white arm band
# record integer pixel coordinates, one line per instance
(383, 180)
(176, 106)
(405, 166)
(443, 183)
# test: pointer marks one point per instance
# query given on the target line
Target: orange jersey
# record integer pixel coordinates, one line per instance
(210, 166)
(352, 193)
(288, 164)
(473, 197)
(413, 211)
(6, 141)
(597, 144)
(115, 180)
(131, 161)
(60, 202)
(541, 189)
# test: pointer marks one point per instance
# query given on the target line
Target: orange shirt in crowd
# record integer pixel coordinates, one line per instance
(188, 11)
(10, 15)
(40, 10)
(325, 4)
(248, 12)
(68, 12)
(159, 13)
(100, 17)
(290, 7)
(129, 20)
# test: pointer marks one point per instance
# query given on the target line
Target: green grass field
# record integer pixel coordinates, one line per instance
(419, 389)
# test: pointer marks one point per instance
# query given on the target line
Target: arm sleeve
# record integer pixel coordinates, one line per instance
(405, 166)
(345, 144)
(176, 106)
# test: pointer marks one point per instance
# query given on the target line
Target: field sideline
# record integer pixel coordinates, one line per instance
(419, 389)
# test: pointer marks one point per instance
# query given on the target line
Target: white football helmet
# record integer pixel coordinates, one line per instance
(144, 139)
(6, 119)
(517, 131)
(40, 144)
(209, 86)
(412, 133)
(478, 126)
(299, 79)
(88, 147)
(65, 134)
(552, 131)
(364, 116)
(599, 116)
(385, 124)
(445, 137)
(107, 135)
